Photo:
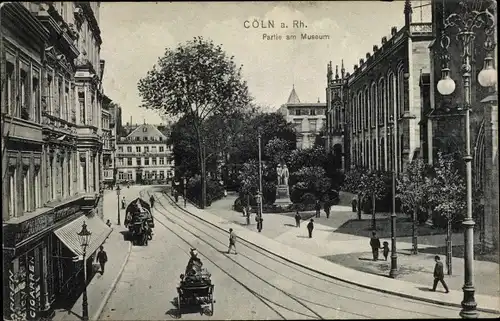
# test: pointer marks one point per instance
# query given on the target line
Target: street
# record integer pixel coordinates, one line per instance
(249, 285)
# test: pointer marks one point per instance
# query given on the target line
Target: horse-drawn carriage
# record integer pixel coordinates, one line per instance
(139, 221)
(196, 288)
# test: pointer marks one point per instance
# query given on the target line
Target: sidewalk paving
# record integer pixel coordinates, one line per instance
(307, 259)
(118, 250)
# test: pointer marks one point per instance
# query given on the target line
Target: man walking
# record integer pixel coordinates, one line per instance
(317, 207)
(327, 207)
(123, 203)
(297, 219)
(310, 228)
(375, 245)
(439, 274)
(102, 258)
(232, 241)
(152, 201)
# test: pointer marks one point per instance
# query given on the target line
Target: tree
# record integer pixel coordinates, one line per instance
(311, 180)
(309, 157)
(278, 150)
(412, 191)
(196, 79)
(447, 194)
(375, 185)
(353, 184)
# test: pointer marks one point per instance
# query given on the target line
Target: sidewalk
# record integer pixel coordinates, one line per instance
(100, 287)
(375, 282)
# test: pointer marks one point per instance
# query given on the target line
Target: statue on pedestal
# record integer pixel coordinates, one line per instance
(279, 171)
(285, 175)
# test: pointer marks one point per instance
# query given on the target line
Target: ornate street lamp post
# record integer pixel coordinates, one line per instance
(466, 23)
(184, 182)
(260, 183)
(118, 202)
(394, 255)
(84, 238)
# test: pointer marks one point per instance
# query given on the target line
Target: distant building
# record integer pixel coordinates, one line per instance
(144, 155)
(108, 139)
(308, 119)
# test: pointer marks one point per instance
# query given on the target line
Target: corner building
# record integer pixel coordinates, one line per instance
(384, 83)
(51, 148)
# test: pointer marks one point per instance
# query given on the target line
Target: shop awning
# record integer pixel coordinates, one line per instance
(68, 234)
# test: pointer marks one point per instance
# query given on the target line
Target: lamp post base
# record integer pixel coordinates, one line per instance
(469, 304)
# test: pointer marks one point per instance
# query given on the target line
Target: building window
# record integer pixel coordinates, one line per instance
(120, 149)
(81, 104)
(153, 149)
(24, 96)
(66, 103)
(120, 176)
(146, 149)
(162, 160)
(298, 125)
(8, 90)
(60, 100)
(360, 112)
(120, 161)
(130, 176)
(312, 112)
(146, 161)
(153, 161)
(129, 161)
(161, 149)
(137, 138)
(400, 92)
(160, 138)
(367, 109)
(129, 149)
(25, 189)
(390, 98)
(162, 175)
(374, 103)
(35, 99)
(313, 125)
(144, 129)
(381, 101)
(37, 188)
(138, 161)
(12, 193)
(138, 149)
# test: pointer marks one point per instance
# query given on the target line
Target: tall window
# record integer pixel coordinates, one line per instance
(66, 103)
(35, 98)
(12, 192)
(129, 161)
(400, 92)
(138, 161)
(161, 149)
(381, 99)
(24, 95)
(367, 109)
(129, 149)
(146, 149)
(91, 111)
(37, 188)
(153, 161)
(360, 112)
(391, 98)
(8, 90)
(50, 93)
(81, 104)
(162, 160)
(26, 190)
(138, 149)
(353, 114)
(153, 149)
(374, 103)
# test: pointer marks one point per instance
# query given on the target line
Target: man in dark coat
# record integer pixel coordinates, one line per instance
(297, 219)
(102, 258)
(317, 207)
(310, 228)
(152, 201)
(439, 274)
(327, 208)
(375, 245)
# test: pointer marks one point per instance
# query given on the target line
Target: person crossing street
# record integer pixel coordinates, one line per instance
(232, 241)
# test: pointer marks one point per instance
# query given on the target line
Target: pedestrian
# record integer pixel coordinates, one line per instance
(108, 223)
(232, 241)
(386, 249)
(439, 274)
(375, 245)
(317, 207)
(152, 201)
(327, 207)
(244, 210)
(102, 258)
(123, 203)
(310, 228)
(259, 220)
(297, 219)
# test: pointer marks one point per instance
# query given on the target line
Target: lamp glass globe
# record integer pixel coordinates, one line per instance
(487, 77)
(446, 86)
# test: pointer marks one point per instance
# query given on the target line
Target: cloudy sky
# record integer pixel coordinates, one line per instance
(135, 34)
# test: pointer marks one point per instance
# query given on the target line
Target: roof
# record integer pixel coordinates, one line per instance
(293, 98)
(146, 130)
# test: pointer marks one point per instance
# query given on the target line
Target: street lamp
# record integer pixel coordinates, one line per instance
(118, 201)
(394, 256)
(260, 183)
(184, 184)
(84, 238)
(466, 23)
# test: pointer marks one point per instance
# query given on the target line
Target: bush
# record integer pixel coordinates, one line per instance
(214, 190)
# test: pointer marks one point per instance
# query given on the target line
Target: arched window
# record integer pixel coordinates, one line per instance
(400, 93)
(353, 114)
(374, 104)
(374, 154)
(355, 153)
(367, 108)
(381, 154)
(390, 97)
(360, 112)
(381, 100)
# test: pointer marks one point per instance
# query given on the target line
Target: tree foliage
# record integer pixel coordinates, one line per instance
(353, 179)
(278, 150)
(311, 180)
(413, 186)
(310, 157)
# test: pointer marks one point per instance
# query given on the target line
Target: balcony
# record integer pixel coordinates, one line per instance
(22, 129)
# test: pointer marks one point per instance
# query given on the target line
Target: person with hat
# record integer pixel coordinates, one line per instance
(194, 262)
(310, 228)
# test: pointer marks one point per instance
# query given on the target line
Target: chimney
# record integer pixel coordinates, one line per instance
(394, 30)
(384, 40)
(375, 48)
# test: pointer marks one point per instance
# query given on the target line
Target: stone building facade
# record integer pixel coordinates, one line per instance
(308, 119)
(385, 83)
(51, 149)
(443, 125)
(144, 155)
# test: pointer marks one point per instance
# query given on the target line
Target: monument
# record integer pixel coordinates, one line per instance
(282, 190)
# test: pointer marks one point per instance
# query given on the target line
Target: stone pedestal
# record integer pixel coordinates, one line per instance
(282, 196)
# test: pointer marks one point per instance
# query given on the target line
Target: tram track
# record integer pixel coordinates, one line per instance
(172, 213)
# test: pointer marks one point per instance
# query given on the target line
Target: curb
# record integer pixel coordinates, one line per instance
(113, 285)
(404, 295)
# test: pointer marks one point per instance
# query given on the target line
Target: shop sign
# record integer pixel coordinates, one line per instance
(17, 289)
(33, 226)
(65, 212)
(33, 289)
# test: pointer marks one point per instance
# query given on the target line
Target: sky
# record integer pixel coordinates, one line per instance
(136, 34)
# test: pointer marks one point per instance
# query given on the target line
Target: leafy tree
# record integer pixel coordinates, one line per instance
(310, 157)
(353, 184)
(375, 184)
(412, 190)
(447, 195)
(311, 180)
(278, 150)
(197, 79)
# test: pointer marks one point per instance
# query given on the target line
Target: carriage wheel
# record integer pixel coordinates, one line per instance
(145, 240)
